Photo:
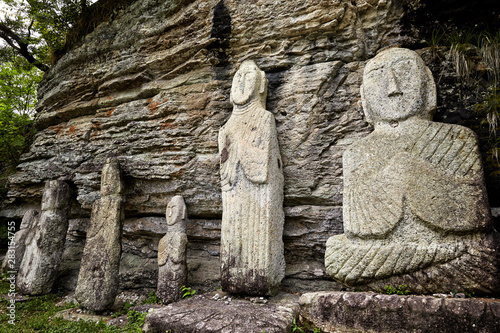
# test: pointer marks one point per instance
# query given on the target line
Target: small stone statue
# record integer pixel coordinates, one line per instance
(45, 241)
(252, 260)
(100, 266)
(14, 262)
(415, 205)
(172, 268)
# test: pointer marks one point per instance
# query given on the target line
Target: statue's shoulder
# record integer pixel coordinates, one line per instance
(463, 129)
(454, 132)
(362, 144)
(264, 114)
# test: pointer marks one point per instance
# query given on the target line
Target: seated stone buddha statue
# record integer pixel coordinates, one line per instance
(415, 207)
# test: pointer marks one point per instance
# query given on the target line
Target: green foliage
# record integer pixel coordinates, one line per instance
(489, 112)
(50, 28)
(470, 295)
(187, 292)
(124, 310)
(42, 25)
(4, 284)
(4, 239)
(36, 315)
(152, 299)
(475, 56)
(18, 84)
(15, 132)
(399, 290)
(296, 328)
(304, 327)
(135, 321)
(490, 109)
(53, 18)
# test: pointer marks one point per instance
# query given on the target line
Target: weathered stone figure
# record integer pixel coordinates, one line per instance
(98, 278)
(172, 269)
(45, 241)
(29, 219)
(252, 260)
(415, 206)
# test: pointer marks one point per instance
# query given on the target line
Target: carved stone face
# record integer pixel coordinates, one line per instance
(176, 211)
(248, 82)
(396, 86)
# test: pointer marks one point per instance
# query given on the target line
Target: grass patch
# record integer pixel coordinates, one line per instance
(34, 315)
(399, 290)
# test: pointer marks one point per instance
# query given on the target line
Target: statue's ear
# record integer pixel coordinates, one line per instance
(366, 107)
(263, 82)
(431, 104)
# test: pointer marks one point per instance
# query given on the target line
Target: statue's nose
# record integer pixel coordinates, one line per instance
(393, 88)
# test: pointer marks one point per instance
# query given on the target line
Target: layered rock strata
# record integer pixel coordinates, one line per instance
(45, 241)
(152, 86)
(100, 265)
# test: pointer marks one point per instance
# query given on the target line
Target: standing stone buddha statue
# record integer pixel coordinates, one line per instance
(252, 259)
(415, 206)
(172, 267)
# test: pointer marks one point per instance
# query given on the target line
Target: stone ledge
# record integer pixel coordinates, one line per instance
(212, 313)
(371, 312)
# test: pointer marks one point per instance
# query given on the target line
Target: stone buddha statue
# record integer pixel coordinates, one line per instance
(415, 207)
(252, 259)
(172, 267)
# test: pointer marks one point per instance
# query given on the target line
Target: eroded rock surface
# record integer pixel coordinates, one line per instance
(45, 241)
(97, 281)
(201, 314)
(152, 86)
(370, 312)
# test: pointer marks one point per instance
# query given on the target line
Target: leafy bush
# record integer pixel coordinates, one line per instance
(152, 299)
(187, 292)
(399, 290)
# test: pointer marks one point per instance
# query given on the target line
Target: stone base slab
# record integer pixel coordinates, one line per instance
(207, 314)
(371, 312)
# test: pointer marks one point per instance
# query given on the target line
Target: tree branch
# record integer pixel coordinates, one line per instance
(29, 28)
(83, 4)
(12, 39)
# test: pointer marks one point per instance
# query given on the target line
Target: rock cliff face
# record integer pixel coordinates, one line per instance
(152, 88)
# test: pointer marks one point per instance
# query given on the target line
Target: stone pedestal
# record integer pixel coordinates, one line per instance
(379, 313)
(98, 278)
(45, 241)
(214, 314)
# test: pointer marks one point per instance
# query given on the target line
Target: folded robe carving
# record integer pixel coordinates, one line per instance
(252, 260)
(415, 207)
(172, 268)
